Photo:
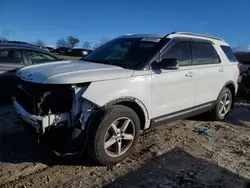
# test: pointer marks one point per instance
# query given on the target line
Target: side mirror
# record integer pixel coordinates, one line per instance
(167, 64)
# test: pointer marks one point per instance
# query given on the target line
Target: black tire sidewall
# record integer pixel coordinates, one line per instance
(115, 112)
(223, 92)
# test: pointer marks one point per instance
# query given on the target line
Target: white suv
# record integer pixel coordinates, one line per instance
(104, 101)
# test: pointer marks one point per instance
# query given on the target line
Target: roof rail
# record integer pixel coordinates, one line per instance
(198, 35)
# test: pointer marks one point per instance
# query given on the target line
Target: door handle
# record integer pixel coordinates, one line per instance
(190, 74)
(221, 70)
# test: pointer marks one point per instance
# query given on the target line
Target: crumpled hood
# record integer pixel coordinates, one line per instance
(71, 72)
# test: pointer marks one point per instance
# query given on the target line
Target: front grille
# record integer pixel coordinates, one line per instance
(25, 100)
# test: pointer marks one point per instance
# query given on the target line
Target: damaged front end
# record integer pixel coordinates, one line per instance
(58, 112)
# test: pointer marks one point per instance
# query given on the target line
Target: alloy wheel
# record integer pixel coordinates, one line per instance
(119, 137)
(225, 104)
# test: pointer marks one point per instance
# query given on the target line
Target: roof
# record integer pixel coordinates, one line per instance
(187, 34)
(25, 46)
(174, 34)
(15, 45)
(143, 36)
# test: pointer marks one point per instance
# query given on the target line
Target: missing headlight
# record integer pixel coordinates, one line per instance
(56, 101)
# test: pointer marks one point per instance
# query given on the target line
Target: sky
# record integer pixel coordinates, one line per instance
(92, 20)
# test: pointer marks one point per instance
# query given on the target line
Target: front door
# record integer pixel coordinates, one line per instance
(173, 91)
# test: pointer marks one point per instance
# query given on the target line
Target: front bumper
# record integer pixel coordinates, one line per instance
(33, 120)
(64, 132)
(40, 123)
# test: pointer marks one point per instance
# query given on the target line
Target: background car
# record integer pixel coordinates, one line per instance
(51, 49)
(79, 52)
(21, 42)
(62, 50)
(44, 48)
(245, 68)
(14, 56)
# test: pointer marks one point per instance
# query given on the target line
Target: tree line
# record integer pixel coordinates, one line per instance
(70, 42)
(73, 42)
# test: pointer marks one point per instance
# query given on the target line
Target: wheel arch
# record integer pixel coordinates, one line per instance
(136, 105)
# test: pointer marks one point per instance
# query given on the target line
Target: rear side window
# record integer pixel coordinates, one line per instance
(11, 56)
(204, 53)
(229, 53)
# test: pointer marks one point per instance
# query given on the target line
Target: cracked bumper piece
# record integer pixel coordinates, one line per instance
(40, 123)
(33, 120)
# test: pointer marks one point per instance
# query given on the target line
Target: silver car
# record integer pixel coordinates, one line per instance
(15, 56)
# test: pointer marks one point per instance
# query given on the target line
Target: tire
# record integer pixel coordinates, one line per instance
(216, 113)
(101, 130)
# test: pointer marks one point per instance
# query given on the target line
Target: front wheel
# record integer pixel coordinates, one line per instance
(114, 137)
(223, 105)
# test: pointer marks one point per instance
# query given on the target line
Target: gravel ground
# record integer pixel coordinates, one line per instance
(169, 156)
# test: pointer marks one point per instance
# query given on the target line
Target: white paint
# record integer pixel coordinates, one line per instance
(173, 90)
(71, 72)
(159, 93)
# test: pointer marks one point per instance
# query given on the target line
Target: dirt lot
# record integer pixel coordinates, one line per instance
(169, 156)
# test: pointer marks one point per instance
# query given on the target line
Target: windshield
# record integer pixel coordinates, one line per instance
(125, 52)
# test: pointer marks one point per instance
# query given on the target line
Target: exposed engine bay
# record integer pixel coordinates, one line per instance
(61, 112)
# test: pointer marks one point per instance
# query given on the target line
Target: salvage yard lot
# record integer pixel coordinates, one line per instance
(169, 156)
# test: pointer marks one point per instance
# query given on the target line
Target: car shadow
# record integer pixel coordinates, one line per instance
(22, 145)
(239, 116)
(177, 168)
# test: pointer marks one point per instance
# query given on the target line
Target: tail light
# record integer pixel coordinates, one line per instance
(239, 67)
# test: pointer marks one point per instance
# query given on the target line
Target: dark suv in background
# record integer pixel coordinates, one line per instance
(62, 50)
(79, 52)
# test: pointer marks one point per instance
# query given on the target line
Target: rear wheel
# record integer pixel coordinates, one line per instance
(223, 105)
(114, 136)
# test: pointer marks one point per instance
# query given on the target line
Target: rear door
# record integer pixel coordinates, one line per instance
(11, 59)
(211, 78)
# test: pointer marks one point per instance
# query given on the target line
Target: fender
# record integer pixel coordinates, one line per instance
(231, 82)
(131, 99)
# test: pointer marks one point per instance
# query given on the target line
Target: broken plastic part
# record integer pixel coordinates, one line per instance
(53, 119)
(87, 110)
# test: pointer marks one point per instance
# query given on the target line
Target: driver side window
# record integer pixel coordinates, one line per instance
(180, 51)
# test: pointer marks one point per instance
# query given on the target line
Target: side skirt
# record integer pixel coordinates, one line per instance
(189, 112)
